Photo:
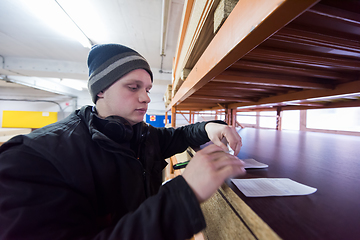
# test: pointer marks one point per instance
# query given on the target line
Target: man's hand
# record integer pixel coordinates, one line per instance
(208, 170)
(216, 132)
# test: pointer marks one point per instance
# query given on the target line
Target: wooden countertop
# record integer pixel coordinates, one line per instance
(328, 162)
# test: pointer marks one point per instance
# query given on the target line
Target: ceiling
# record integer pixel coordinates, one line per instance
(31, 49)
(311, 61)
(312, 56)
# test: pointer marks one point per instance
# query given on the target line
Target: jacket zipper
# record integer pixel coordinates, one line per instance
(145, 184)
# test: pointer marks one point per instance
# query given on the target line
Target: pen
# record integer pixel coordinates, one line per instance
(184, 164)
(181, 165)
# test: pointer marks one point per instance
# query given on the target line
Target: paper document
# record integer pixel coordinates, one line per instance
(230, 150)
(252, 163)
(265, 187)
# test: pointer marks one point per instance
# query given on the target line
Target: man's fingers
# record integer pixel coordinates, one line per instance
(236, 148)
(213, 148)
(221, 145)
(227, 160)
(233, 138)
(209, 169)
(230, 171)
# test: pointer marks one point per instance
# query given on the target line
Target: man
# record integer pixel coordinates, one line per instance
(97, 173)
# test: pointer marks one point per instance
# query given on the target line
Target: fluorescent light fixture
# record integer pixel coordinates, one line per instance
(54, 15)
(74, 83)
(86, 14)
(71, 83)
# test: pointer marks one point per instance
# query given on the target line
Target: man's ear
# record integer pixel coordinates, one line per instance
(100, 94)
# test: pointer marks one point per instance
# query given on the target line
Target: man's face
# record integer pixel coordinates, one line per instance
(128, 97)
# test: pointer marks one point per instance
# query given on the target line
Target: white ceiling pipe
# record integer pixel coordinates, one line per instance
(166, 6)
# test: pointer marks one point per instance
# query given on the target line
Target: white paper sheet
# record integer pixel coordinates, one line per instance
(265, 187)
(230, 150)
(249, 162)
(252, 163)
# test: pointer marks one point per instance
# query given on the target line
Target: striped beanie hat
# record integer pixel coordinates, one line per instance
(109, 62)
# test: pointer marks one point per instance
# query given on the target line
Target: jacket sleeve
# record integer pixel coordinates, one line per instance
(37, 203)
(173, 141)
(173, 213)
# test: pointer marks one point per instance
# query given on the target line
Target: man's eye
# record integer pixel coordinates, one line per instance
(133, 88)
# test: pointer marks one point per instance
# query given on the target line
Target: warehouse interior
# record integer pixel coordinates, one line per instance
(284, 73)
(210, 59)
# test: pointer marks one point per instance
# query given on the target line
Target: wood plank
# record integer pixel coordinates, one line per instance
(317, 40)
(198, 13)
(218, 99)
(259, 20)
(346, 88)
(228, 217)
(215, 86)
(335, 13)
(300, 59)
(184, 24)
(270, 82)
(289, 70)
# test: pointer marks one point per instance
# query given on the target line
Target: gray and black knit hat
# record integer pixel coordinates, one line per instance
(109, 62)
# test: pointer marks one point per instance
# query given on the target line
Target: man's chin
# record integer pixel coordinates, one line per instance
(135, 121)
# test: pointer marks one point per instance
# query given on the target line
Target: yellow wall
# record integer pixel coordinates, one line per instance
(27, 119)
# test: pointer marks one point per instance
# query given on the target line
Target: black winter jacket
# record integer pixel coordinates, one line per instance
(70, 181)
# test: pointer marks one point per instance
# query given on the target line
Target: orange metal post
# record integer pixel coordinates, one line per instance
(166, 118)
(278, 118)
(233, 117)
(173, 117)
(228, 116)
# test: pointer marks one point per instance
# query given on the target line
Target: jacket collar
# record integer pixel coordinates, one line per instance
(88, 114)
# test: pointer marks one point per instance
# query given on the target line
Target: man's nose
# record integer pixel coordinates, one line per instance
(144, 96)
